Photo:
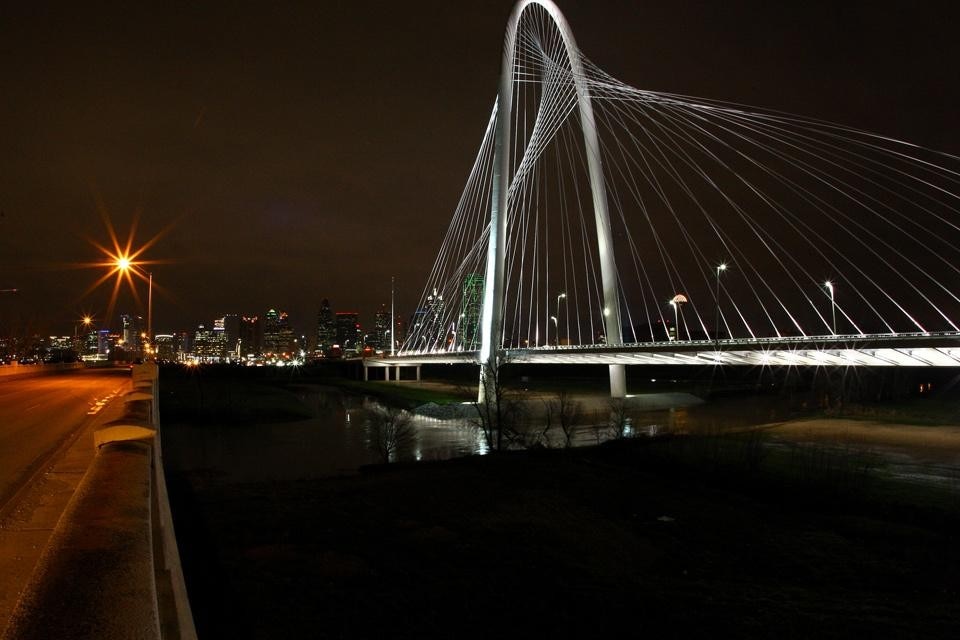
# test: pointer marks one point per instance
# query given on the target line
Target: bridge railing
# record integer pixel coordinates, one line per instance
(722, 342)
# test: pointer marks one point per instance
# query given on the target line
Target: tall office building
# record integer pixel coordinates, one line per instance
(435, 331)
(380, 339)
(206, 347)
(167, 347)
(231, 332)
(468, 327)
(277, 334)
(131, 327)
(104, 343)
(220, 339)
(348, 330)
(250, 336)
(326, 328)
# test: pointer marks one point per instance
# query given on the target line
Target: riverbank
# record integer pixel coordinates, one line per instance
(679, 536)
(745, 517)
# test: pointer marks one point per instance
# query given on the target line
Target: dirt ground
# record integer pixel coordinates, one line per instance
(924, 444)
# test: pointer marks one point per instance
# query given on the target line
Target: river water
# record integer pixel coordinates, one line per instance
(335, 441)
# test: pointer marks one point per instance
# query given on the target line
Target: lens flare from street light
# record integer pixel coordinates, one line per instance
(123, 261)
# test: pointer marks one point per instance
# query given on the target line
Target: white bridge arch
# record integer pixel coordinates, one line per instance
(493, 295)
(843, 245)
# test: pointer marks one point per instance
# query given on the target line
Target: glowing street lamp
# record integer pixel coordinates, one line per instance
(556, 323)
(833, 305)
(675, 302)
(86, 321)
(720, 269)
(124, 264)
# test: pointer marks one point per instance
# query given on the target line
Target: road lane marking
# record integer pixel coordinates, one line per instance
(100, 403)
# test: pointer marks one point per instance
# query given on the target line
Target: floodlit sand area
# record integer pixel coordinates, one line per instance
(924, 444)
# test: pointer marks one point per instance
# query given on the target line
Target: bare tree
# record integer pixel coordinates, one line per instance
(569, 413)
(499, 414)
(598, 426)
(619, 418)
(389, 431)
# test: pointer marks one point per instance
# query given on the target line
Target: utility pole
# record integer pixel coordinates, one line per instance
(393, 320)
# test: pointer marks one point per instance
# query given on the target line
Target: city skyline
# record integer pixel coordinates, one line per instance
(282, 178)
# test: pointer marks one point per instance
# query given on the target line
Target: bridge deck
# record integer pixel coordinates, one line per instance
(940, 349)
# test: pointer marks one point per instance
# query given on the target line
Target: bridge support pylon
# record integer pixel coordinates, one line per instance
(491, 327)
(618, 381)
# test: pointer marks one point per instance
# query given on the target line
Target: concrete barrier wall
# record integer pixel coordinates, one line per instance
(15, 369)
(111, 568)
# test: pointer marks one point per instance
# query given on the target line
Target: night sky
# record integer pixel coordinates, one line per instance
(315, 150)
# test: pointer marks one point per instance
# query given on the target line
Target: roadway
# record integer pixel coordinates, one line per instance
(42, 411)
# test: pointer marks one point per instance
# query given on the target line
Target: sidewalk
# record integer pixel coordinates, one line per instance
(24, 532)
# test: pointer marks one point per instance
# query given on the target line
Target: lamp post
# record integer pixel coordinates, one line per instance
(125, 264)
(86, 321)
(720, 269)
(556, 323)
(676, 302)
(833, 306)
(393, 319)
(150, 309)
(676, 322)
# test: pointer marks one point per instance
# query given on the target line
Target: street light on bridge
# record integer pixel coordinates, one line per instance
(556, 323)
(678, 300)
(720, 269)
(833, 306)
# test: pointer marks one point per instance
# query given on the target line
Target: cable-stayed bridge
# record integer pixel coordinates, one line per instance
(607, 224)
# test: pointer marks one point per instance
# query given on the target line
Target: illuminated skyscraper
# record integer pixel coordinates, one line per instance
(348, 330)
(277, 334)
(434, 331)
(231, 332)
(131, 327)
(381, 328)
(206, 347)
(326, 327)
(251, 336)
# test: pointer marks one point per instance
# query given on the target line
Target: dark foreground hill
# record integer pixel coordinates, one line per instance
(683, 537)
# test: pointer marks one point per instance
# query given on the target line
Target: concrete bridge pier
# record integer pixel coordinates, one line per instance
(386, 371)
(618, 381)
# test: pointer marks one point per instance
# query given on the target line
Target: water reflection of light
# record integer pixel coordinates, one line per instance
(481, 444)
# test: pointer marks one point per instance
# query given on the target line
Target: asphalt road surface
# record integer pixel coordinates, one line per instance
(40, 412)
